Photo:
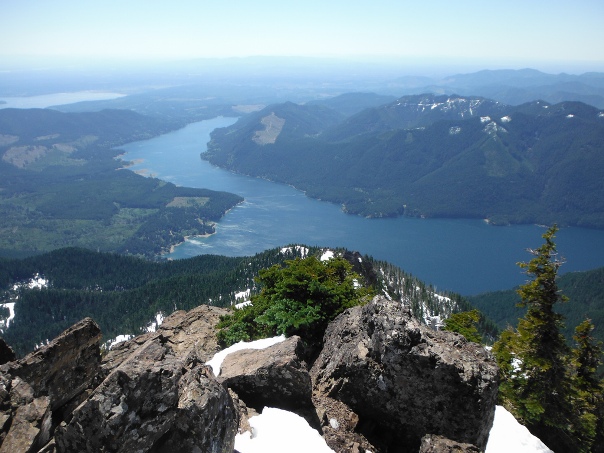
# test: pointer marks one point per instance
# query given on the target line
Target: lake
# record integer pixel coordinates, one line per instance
(47, 100)
(462, 255)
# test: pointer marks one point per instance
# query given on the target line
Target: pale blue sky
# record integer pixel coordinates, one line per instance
(510, 31)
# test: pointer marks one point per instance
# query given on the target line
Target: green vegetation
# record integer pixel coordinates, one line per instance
(300, 298)
(465, 323)
(546, 386)
(584, 289)
(121, 293)
(534, 163)
(124, 293)
(62, 186)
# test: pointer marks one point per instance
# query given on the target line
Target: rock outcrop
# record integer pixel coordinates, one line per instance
(440, 444)
(276, 376)
(152, 394)
(155, 400)
(405, 380)
(382, 383)
(38, 391)
(185, 331)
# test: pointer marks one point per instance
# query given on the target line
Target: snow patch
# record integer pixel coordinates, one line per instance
(485, 119)
(243, 294)
(508, 435)
(601, 115)
(454, 130)
(36, 282)
(570, 115)
(153, 325)
(492, 128)
(216, 361)
(276, 430)
(506, 119)
(298, 248)
(327, 255)
(5, 323)
(119, 339)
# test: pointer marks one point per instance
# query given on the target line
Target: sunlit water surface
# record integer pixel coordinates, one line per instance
(463, 255)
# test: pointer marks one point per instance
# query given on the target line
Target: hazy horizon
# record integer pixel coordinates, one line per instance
(552, 36)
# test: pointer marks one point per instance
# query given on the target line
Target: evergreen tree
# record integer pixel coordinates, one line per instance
(536, 384)
(300, 298)
(465, 323)
(587, 357)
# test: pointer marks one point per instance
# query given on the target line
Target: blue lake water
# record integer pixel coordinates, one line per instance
(463, 255)
(48, 100)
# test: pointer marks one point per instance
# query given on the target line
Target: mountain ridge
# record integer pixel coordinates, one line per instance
(534, 163)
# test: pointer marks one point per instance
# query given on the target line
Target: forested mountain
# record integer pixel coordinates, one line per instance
(433, 156)
(585, 291)
(412, 112)
(351, 103)
(124, 294)
(61, 185)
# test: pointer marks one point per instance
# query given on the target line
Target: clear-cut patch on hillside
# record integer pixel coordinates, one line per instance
(8, 139)
(188, 202)
(20, 156)
(273, 126)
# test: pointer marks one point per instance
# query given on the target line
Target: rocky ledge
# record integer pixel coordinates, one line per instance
(382, 383)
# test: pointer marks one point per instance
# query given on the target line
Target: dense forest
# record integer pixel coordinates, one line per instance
(433, 156)
(585, 291)
(124, 293)
(62, 186)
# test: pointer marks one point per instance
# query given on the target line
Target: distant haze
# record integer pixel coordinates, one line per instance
(551, 35)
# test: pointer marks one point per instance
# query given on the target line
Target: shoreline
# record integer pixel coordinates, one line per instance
(173, 246)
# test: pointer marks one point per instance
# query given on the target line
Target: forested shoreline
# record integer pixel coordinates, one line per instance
(63, 186)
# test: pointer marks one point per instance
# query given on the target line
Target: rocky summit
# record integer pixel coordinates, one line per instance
(382, 383)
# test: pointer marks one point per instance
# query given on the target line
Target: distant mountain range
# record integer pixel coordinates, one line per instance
(512, 87)
(430, 155)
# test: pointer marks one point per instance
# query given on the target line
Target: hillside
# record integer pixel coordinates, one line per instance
(585, 291)
(61, 185)
(125, 294)
(434, 156)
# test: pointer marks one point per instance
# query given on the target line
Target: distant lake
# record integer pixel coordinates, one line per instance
(48, 100)
(462, 255)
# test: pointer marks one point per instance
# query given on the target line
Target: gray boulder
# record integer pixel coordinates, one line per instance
(186, 331)
(440, 444)
(37, 391)
(157, 400)
(152, 394)
(276, 376)
(65, 368)
(405, 380)
(31, 426)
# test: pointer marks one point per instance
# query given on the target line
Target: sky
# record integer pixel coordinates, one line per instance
(507, 33)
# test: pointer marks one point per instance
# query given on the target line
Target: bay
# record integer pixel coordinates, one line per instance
(467, 256)
(47, 100)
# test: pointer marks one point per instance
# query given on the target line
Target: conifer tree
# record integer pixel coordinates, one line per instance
(465, 323)
(589, 397)
(534, 360)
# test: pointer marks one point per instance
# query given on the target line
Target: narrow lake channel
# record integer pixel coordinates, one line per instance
(462, 255)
